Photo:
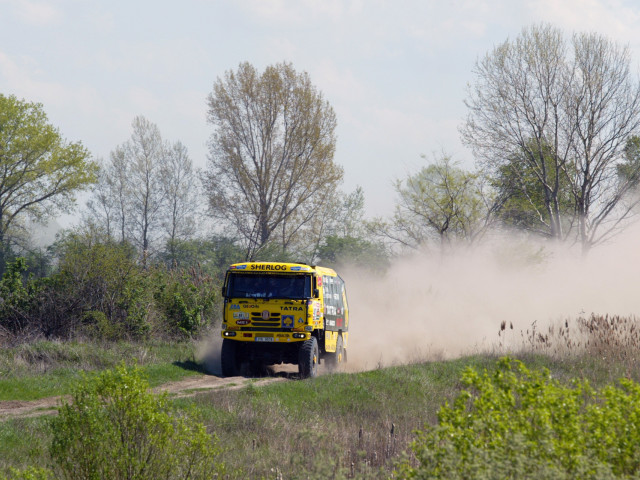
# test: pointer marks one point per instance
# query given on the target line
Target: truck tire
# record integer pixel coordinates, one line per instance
(229, 358)
(337, 358)
(308, 358)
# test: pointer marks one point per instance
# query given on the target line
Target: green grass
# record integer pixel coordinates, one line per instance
(318, 426)
(335, 426)
(45, 369)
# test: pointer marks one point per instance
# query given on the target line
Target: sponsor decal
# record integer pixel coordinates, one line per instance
(243, 322)
(319, 281)
(339, 322)
(282, 335)
(238, 267)
(269, 267)
(331, 323)
(234, 306)
(291, 309)
(299, 269)
(300, 320)
(250, 306)
(287, 321)
(241, 315)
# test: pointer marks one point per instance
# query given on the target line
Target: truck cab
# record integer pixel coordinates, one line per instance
(283, 313)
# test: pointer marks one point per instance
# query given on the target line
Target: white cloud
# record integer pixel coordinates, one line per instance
(37, 13)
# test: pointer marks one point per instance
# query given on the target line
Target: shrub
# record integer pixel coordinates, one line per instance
(18, 298)
(31, 473)
(517, 423)
(99, 275)
(115, 428)
(187, 300)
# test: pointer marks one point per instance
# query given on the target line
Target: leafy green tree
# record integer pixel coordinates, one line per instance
(212, 256)
(341, 251)
(114, 427)
(521, 197)
(271, 156)
(441, 202)
(629, 167)
(40, 171)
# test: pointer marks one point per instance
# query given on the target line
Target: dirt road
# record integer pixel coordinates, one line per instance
(187, 387)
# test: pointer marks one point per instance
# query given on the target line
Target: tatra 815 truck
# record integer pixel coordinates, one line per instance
(283, 313)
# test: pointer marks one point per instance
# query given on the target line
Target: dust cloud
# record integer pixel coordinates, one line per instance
(436, 307)
(208, 352)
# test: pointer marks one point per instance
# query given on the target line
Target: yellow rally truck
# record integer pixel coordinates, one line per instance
(283, 313)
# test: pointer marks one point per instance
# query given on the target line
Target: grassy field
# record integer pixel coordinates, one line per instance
(45, 369)
(341, 425)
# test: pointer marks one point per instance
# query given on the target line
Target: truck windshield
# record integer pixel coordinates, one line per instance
(250, 285)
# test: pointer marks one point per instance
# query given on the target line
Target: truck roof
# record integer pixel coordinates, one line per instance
(279, 267)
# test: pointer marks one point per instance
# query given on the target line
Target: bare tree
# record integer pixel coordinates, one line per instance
(109, 205)
(132, 197)
(603, 112)
(181, 195)
(271, 155)
(101, 207)
(567, 115)
(118, 177)
(516, 108)
(145, 154)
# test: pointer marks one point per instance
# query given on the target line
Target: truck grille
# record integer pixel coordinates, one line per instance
(258, 321)
(258, 316)
(262, 323)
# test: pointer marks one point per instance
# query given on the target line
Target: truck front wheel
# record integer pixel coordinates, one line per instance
(308, 358)
(229, 358)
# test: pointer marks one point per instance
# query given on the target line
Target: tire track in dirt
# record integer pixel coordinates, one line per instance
(188, 387)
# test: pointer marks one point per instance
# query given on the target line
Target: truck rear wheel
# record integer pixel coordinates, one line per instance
(308, 358)
(337, 358)
(229, 358)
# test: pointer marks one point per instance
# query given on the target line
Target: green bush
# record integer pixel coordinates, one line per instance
(18, 298)
(517, 423)
(100, 275)
(187, 300)
(30, 473)
(115, 428)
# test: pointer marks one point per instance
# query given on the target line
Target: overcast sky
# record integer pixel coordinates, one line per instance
(394, 71)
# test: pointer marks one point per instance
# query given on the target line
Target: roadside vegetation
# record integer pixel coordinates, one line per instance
(41, 369)
(389, 422)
